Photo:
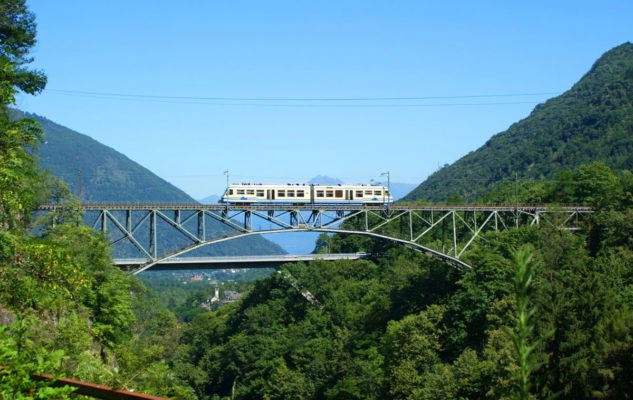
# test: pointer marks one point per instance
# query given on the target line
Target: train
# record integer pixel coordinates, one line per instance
(301, 193)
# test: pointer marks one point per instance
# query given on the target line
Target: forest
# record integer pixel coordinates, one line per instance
(543, 313)
(404, 326)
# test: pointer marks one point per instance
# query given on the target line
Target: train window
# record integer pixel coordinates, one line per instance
(367, 192)
(230, 192)
(377, 192)
(339, 193)
(300, 193)
(359, 193)
(250, 191)
(329, 193)
(319, 193)
(260, 193)
(240, 191)
(291, 193)
(281, 193)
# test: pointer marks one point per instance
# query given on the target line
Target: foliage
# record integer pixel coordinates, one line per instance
(184, 297)
(404, 326)
(19, 178)
(77, 301)
(20, 361)
(17, 36)
(399, 326)
(522, 335)
(69, 310)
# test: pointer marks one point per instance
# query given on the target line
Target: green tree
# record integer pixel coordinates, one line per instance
(322, 244)
(411, 347)
(523, 336)
(19, 177)
(17, 37)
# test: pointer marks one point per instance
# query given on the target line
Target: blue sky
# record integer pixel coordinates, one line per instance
(299, 49)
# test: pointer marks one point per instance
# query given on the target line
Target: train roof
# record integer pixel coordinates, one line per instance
(307, 184)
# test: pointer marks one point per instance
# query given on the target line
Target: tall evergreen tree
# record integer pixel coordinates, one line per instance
(19, 177)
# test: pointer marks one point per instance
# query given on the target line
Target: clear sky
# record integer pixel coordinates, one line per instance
(193, 55)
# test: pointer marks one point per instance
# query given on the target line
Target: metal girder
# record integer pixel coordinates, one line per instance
(423, 228)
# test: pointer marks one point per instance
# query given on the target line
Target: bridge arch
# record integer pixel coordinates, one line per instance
(455, 262)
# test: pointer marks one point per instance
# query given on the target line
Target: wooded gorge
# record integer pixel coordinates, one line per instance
(543, 313)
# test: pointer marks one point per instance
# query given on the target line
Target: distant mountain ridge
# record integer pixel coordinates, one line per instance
(99, 172)
(324, 180)
(211, 199)
(399, 190)
(102, 174)
(593, 121)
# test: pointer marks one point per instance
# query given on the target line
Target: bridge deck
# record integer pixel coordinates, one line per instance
(237, 261)
(322, 207)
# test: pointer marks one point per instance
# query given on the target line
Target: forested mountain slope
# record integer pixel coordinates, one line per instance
(106, 174)
(404, 326)
(98, 173)
(593, 121)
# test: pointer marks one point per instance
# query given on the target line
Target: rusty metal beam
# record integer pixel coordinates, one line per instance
(96, 391)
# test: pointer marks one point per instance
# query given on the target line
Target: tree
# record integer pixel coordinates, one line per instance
(411, 348)
(19, 177)
(322, 244)
(524, 344)
(17, 37)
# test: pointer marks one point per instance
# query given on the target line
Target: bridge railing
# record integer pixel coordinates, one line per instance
(93, 390)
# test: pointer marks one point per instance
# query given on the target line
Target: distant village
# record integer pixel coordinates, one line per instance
(218, 279)
(230, 296)
(212, 277)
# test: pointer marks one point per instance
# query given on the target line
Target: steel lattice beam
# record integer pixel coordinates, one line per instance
(430, 229)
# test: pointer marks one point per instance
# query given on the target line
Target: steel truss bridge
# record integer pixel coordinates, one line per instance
(444, 232)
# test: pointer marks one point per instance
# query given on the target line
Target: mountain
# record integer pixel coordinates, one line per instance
(593, 121)
(211, 199)
(399, 190)
(324, 180)
(99, 173)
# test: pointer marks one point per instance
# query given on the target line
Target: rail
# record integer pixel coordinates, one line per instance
(323, 207)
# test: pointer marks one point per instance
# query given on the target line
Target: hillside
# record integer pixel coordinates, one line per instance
(106, 175)
(109, 176)
(405, 326)
(593, 121)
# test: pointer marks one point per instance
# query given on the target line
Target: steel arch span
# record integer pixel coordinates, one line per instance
(158, 232)
(451, 260)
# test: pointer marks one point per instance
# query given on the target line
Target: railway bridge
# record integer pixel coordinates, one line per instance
(441, 231)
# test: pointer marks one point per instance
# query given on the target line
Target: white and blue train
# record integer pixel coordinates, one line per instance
(250, 193)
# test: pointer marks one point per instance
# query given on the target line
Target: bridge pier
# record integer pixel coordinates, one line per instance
(202, 228)
(153, 244)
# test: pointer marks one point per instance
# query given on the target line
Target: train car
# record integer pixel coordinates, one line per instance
(296, 194)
